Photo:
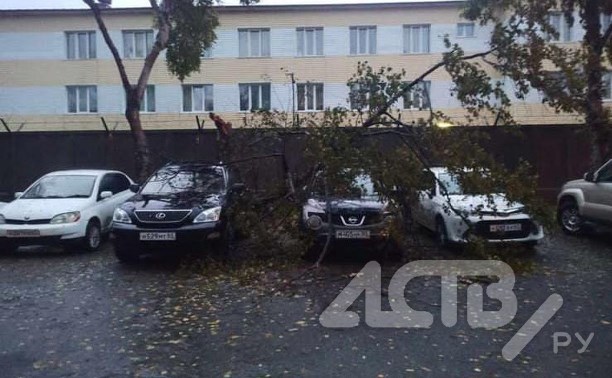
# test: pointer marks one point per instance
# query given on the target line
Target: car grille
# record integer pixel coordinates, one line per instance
(161, 216)
(482, 229)
(362, 218)
(27, 222)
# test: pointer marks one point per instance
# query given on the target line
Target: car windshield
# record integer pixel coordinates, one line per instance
(361, 186)
(62, 186)
(177, 180)
(451, 183)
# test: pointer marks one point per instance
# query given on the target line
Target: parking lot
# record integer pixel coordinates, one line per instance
(85, 315)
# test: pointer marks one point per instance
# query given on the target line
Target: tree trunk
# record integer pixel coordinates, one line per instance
(596, 115)
(141, 146)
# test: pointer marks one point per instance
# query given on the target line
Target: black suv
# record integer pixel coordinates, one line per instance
(181, 205)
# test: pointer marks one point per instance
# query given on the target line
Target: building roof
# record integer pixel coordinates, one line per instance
(240, 8)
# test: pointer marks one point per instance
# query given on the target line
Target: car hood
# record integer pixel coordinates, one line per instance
(191, 201)
(356, 204)
(33, 209)
(494, 203)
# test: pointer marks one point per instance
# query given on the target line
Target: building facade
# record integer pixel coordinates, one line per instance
(56, 72)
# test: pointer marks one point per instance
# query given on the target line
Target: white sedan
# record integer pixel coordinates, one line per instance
(491, 217)
(64, 208)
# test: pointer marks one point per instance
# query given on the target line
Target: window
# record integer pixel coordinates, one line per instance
(310, 96)
(82, 99)
(253, 42)
(363, 40)
(606, 86)
(416, 39)
(559, 23)
(606, 20)
(81, 45)
(147, 104)
(309, 41)
(254, 96)
(465, 29)
(137, 43)
(197, 98)
(418, 96)
(115, 183)
(358, 97)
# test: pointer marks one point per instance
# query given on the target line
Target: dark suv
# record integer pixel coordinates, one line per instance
(181, 205)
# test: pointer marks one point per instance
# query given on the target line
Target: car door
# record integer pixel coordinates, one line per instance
(424, 211)
(119, 185)
(598, 197)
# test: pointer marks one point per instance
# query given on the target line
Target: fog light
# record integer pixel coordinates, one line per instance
(314, 222)
(214, 235)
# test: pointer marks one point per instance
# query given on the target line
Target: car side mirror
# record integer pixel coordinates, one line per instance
(589, 176)
(134, 188)
(106, 194)
(18, 195)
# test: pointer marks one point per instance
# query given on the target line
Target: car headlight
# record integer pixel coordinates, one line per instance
(71, 217)
(209, 215)
(121, 216)
(319, 206)
(2, 219)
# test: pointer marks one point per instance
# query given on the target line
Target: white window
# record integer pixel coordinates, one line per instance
(559, 23)
(416, 39)
(606, 86)
(82, 98)
(606, 20)
(310, 96)
(363, 40)
(198, 98)
(137, 43)
(465, 29)
(359, 96)
(147, 104)
(253, 42)
(254, 96)
(81, 45)
(309, 41)
(418, 96)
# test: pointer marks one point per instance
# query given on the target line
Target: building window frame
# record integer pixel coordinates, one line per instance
(419, 97)
(309, 41)
(558, 22)
(254, 96)
(137, 43)
(81, 45)
(81, 99)
(363, 40)
(466, 30)
(198, 98)
(310, 97)
(254, 42)
(417, 38)
(606, 86)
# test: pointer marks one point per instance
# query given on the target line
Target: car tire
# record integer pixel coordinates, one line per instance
(93, 236)
(441, 233)
(126, 255)
(569, 218)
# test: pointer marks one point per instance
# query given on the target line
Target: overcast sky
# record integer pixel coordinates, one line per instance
(51, 4)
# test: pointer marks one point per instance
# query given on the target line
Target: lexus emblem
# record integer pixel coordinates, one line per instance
(160, 216)
(353, 220)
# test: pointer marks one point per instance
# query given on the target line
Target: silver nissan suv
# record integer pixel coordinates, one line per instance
(588, 200)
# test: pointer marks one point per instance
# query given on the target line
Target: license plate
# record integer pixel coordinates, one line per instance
(158, 236)
(23, 233)
(353, 234)
(505, 227)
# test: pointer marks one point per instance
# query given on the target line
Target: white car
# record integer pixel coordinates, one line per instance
(64, 208)
(491, 216)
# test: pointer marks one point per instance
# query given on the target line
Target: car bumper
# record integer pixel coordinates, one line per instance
(41, 234)
(459, 232)
(128, 235)
(376, 233)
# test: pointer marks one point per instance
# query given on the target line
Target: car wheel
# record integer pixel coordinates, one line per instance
(569, 218)
(441, 234)
(125, 255)
(93, 236)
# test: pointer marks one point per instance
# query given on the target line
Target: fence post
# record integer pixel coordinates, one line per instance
(5, 125)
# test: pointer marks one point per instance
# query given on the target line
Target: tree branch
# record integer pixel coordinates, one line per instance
(606, 35)
(372, 120)
(109, 42)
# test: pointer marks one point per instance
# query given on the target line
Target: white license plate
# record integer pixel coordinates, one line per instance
(23, 233)
(505, 227)
(158, 236)
(353, 234)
